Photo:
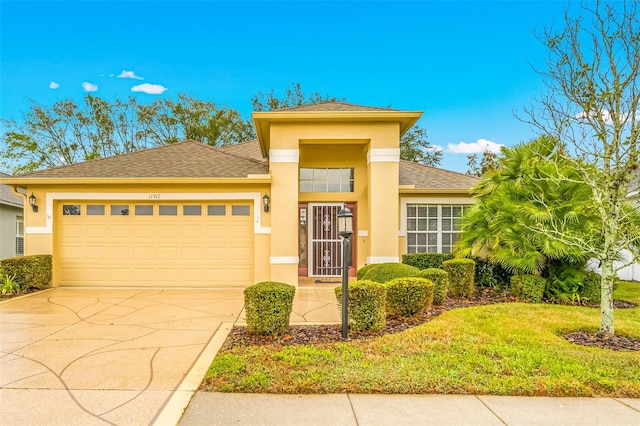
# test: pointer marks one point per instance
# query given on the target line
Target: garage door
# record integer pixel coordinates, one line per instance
(154, 244)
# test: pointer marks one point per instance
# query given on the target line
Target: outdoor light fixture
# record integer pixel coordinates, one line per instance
(345, 230)
(265, 201)
(32, 202)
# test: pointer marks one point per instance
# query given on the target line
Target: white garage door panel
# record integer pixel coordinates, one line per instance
(150, 251)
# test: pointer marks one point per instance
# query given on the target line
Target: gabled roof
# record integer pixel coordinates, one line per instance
(249, 149)
(427, 177)
(188, 159)
(333, 106)
(7, 196)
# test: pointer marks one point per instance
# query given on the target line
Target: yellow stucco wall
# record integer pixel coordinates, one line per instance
(41, 229)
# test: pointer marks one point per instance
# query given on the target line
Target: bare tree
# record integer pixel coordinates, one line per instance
(592, 107)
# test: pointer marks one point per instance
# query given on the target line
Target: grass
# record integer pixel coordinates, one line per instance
(501, 349)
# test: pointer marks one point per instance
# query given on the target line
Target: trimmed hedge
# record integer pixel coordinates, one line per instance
(29, 272)
(440, 280)
(366, 305)
(360, 273)
(383, 272)
(409, 296)
(426, 260)
(461, 277)
(591, 289)
(268, 307)
(528, 288)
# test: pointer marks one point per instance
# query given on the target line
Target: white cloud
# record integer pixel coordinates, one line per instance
(435, 148)
(89, 87)
(152, 89)
(129, 74)
(474, 147)
(54, 85)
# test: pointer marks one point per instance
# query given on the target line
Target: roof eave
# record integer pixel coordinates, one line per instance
(252, 178)
(406, 190)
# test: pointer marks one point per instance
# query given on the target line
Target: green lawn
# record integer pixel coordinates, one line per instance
(502, 349)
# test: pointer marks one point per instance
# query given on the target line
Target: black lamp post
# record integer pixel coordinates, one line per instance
(345, 230)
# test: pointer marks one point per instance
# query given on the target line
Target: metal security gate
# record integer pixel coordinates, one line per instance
(326, 245)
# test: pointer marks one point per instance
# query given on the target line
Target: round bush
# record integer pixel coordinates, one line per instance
(528, 288)
(366, 305)
(440, 280)
(592, 287)
(409, 296)
(268, 307)
(461, 277)
(362, 271)
(383, 272)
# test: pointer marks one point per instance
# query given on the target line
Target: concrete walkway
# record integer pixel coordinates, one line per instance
(397, 410)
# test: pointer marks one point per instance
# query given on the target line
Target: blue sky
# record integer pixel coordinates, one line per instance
(467, 65)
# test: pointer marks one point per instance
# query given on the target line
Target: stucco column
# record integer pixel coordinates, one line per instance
(284, 215)
(383, 172)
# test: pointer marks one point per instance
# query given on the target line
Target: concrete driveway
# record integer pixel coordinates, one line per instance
(118, 356)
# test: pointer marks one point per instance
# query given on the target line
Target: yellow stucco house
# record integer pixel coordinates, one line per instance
(190, 215)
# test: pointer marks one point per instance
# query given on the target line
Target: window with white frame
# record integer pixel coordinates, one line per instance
(326, 179)
(433, 228)
(19, 236)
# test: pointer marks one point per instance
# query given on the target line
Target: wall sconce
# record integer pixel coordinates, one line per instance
(32, 202)
(265, 202)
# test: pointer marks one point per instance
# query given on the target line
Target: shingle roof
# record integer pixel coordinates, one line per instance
(250, 149)
(7, 196)
(333, 106)
(189, 159)
(427, 177)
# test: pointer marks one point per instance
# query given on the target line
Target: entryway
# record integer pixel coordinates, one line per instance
(320, 246)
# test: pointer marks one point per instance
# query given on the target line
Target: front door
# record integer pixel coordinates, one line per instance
(320, 244)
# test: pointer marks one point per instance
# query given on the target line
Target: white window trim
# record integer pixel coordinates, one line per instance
(431, 201)
(256, 197)
(20, 220)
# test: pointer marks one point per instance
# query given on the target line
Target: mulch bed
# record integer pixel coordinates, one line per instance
(20, 293)
(319, 334)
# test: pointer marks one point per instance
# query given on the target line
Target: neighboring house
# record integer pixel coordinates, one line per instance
(11, 222)
(191, 215)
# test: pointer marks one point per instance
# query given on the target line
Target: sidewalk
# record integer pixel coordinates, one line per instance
(364, 410)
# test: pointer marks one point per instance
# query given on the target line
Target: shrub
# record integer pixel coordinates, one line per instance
(426, 260)
(268, 307)
(408, 296)
(7, 283)
(366, 305)
(440, 280)
(362, 271)
(384, 272)
(528, 288)
(461, 277)
(591, 288)
(489, 274)
(29, 272)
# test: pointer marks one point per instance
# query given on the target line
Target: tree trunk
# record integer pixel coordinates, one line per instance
(606, 296)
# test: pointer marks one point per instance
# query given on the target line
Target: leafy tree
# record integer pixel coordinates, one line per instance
(414, 145)
(534, 188)
(294, 96)
(488, 163)
(69, 132)
(592, 107)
